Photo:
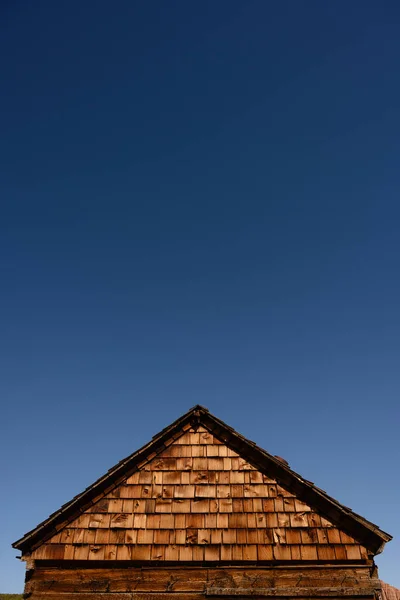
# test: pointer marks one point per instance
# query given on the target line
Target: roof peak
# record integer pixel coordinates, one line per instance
(198, 407)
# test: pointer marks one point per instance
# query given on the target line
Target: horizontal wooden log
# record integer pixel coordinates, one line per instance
(111, 596)
(184, 596)
(296, 592)
(118, 580)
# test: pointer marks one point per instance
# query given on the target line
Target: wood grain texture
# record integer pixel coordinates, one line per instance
(182, 582)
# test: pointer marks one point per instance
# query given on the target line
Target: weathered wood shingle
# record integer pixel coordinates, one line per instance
(199, 500)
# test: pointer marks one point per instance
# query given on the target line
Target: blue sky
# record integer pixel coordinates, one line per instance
(199, 204)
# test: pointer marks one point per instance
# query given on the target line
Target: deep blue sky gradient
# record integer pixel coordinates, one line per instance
(199, 203)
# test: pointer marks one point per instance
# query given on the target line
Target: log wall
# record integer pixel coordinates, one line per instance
(187, 583)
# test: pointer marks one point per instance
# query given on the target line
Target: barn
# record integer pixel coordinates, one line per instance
(199, 512)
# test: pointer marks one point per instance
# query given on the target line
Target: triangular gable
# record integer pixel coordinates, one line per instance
(199, 500)
(244, 504)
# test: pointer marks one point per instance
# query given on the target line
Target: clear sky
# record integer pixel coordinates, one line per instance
(199, 204)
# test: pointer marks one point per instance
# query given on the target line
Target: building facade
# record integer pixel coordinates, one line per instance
(201, 512)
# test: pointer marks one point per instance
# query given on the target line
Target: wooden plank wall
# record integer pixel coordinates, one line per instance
(199, 501)
(197, 583)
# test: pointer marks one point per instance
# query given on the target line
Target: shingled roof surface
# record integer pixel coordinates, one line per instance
(368, 534)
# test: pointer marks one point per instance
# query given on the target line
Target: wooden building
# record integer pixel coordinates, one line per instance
(201, 512)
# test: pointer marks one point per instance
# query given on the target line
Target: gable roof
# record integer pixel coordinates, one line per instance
(365, 532)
